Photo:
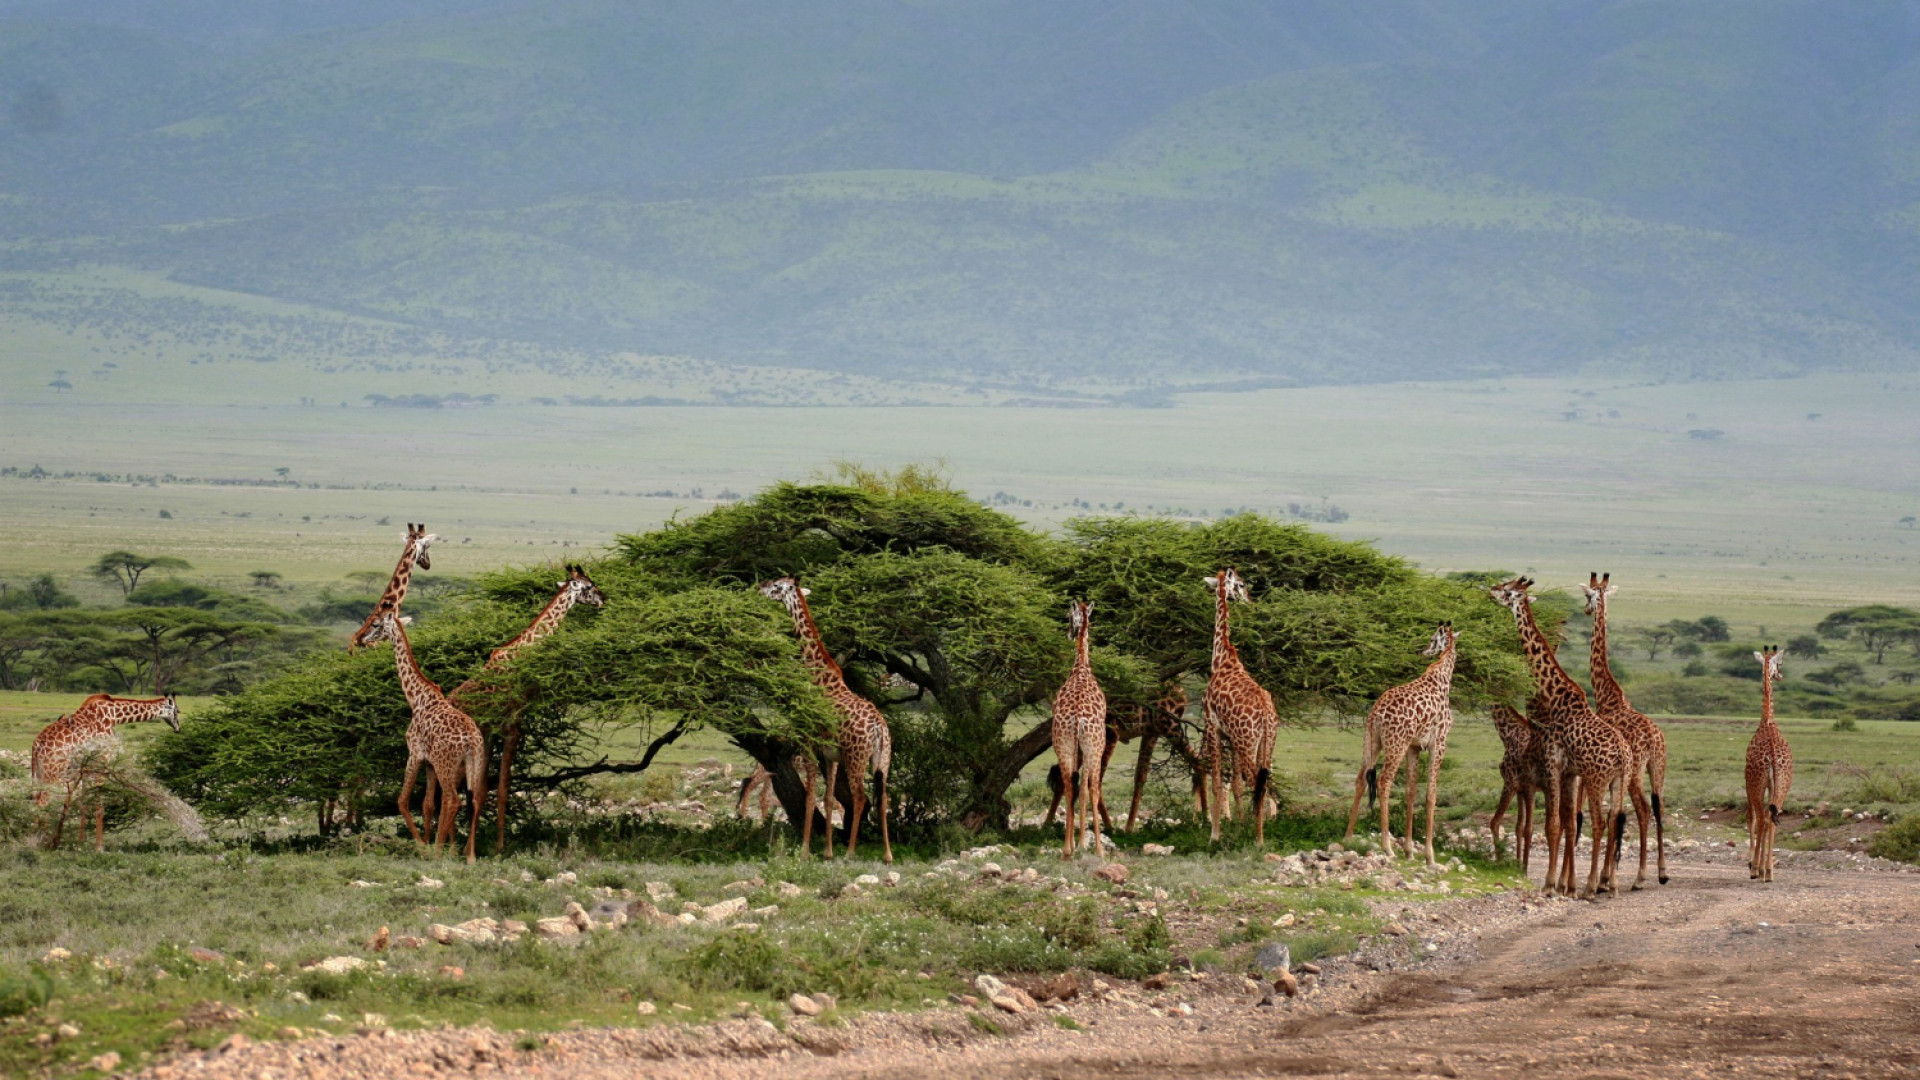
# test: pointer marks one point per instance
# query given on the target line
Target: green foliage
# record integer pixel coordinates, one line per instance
(40, 594)
(23, 992)
(1845, 723)
(1900, 840)
(124, 568)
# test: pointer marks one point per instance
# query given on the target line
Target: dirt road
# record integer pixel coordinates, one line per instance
(1817, 975)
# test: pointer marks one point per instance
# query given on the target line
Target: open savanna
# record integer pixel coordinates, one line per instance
(1792, 509)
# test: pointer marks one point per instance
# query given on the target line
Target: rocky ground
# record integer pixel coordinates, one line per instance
(1711, 975)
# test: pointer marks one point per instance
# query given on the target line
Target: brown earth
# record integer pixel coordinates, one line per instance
(1817, 974)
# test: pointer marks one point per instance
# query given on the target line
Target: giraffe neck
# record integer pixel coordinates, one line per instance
(1082, 661)
(813, 651)
(422, 692)
(1224, 655)
(1555, 683)
(1766, 699)
(545, 623)
(1607, 694)
(396, 590)
(1441, 670)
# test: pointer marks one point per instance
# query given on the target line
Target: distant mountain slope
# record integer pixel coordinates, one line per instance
(1102, 197)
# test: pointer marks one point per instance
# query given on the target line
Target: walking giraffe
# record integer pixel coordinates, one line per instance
(412, 554)
(440, 734)
(1769, 773)
(1080, 736)
(1238, 711)
(862, 740)
(58, 744)
(1523, 772)
(578, 588)
(1407, 719)
(1585, 755)
(1644, 737)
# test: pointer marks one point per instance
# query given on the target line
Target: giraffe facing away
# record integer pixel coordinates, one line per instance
(578, 588)
(1585, 754)
(1643, 736)
(862, 742)
(440, 734)
(58, 744)
(412, 554)
(1080, 735)
(1407, 719)
(1239, 712)
(1523, 773)
(1769, 773)
(1126, 722)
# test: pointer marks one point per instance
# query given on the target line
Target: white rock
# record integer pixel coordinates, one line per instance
(851, 890)
(646, 1008)
(430, 883)
(1156, 849)
(660, 892)
(559, 927)
(804, 1005)
(991, 869)
(893, 878)
(566, 877)
(867, 879)
(724, 910)
(788, 890)
(340, 965)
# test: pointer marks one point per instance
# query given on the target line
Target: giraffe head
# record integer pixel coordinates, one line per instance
(1079, 615)
(1228, 585)
(787, 591)
(382, 628)
(582, 588)
(169, 711)
(1598, 592)
(418, 541)
(1769, 658)
(1443, 638)
(1512, 595)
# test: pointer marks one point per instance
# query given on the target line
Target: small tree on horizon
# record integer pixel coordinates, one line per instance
(124, 568)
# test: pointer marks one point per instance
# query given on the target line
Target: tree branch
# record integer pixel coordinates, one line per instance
(603, 767)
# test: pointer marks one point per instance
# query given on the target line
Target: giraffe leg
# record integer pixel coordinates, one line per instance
(1100, 781)
(1657, 783)
(1602, 825)
(1552, 831)
(1434, 756)
(1362, 780)
(100, 825)
(1412, 766)
(1643, 814)
(1569, 837)
(1057, 784)
(880, 796)
(477, 792)
(857, 788)
(1499, 813)
(1389, 766)
(1523, 827)
(812, 781)
(406, 797)
(509, 746)
(1213, 777)
(827, 793)
(430, 802)
(1141, 765)
(1070, 790)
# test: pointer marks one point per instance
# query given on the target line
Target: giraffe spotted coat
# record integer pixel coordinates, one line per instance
(1644, 738)
(1239, 716)
(1769, 773)
(1080, 735)
(1406, 720)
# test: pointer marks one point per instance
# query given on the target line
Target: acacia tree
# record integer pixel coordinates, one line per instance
(124, 568)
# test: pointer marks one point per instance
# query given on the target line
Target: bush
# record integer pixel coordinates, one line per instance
(1901, 840)
(24, 992)
(1845, 723)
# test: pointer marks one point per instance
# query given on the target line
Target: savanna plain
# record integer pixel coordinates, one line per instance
(1732, 514)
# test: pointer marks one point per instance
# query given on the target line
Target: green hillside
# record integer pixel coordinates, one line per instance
(946, 201)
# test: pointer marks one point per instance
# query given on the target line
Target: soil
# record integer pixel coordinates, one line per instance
(1712, 975)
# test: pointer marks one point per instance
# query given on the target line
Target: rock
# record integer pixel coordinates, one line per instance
(379, 941)
(789, 890)
(339, 965)
(430, 883)
(851, 890)
(802, 1005)
(1394, 929)
(610, 912)
(1114, 872)
(451, 971)
(686, 918)
(893, 878)
(767, 912)
(1285, 920)
(235, 1041)
(578, 916)
(867, 879)
(660, 892)
(55, 955)
(1156, 849)
(745, 927)
(742, 886)
(566, 877)
(646, 1008)
(67, 1031)
(1179, 1008)
(643, 910)
(1310, 969)
(408, 941)
(827, 1001)
(555, 928)
(1062, 987)
(358, 884)
(290, 1032)
(1157, 982)
(724, 910)
(1272, 958)
(991, 869)
(1285, 983)
(201, 955)
(1274, 856)
(512, 928)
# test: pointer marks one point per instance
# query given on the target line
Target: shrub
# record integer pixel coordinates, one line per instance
(1845, 723)
(1901, 840)
(24, 992)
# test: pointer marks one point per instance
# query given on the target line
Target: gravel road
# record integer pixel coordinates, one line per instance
(1815, 975)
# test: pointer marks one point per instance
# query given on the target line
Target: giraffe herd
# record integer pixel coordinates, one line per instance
(1589, 760)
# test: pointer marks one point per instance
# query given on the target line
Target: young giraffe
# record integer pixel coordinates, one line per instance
(861, 742)
(55, 748)
(1585, 755)
(1407, 719)
(1080, 736)
(1238, 711)
(1644, 737)
(439, 733)
(412, 554)
(578, 588)
(1769, 773)
(1523, 772)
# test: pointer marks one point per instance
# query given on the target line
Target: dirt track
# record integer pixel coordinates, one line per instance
(1816, 975)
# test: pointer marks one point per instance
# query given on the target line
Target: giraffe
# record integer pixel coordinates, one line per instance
(1126, 722)
(59, 743)
(1407, 719)
(1769, 773)
(1239, 711)
(862, 740)
(1080, 736)
(1523, 772)
(439, 733)
(1644, 737)
(412, 554)
(762, 782)
(1581, 748)
(578, 588)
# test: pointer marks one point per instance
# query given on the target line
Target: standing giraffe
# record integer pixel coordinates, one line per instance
(1585, 755)
(1523, 772)
(1644, 737)
(576, 589)
(1769, 773)
(861, 742)
(60, 742)
(1080, 736)
(1126, 722)
(1239, 711)
(440, 734)
(412, 554)
(1407, 719)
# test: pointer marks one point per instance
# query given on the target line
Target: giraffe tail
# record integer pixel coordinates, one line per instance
(1659, 821)
(1373, 788)
(1773, 794)
(1619, 828)
(1260, 793)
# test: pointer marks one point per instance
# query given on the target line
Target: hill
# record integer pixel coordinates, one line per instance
(1076, 200)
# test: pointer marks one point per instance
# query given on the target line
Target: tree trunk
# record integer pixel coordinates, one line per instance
(987, 805)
